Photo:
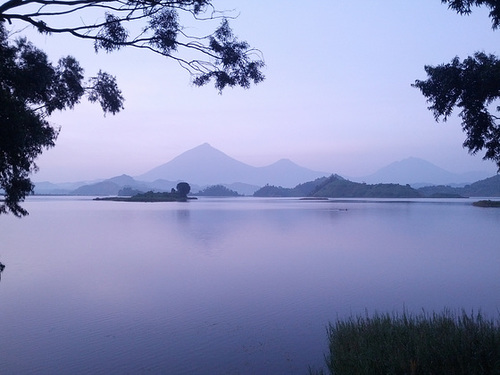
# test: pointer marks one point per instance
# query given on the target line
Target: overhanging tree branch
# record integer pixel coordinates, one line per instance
(159, 32)
(471, 86)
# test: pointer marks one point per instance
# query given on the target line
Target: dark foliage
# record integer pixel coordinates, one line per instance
(446, 343)
(301, 190)
(154, 26)
(274, 191)
(183, 189)
(464, 7)
(487, 203)
(338, 187)
(31, 88)
(489, 187)
(472, 86)
(307, 188)
(154, 197)
(151, 196)
(217, 191)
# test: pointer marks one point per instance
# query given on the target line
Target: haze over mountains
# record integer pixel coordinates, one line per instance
(418, 172)
(204, 166)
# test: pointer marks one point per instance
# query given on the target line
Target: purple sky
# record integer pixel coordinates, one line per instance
(337, 97)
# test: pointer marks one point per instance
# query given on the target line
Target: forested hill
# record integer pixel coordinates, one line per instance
(217, 191)
(301, 190)
(335, 187)
(489, 187)
(338, 187)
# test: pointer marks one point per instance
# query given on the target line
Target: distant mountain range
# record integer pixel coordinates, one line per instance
(205, 166)
(418, 172)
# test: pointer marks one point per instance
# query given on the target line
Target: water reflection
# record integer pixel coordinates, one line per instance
(227, 286)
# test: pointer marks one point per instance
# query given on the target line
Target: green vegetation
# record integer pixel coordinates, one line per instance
(471, 86)
(183, 190)
(155, 197)
(179, 195)
(149, 196)
(301, 190)
(486, 203)
(338, 187)
(489, 187)
(31, 90)
(217, 191)
(274, 191)
(443, 343)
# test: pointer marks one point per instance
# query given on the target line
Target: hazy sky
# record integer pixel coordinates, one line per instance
(337, 97)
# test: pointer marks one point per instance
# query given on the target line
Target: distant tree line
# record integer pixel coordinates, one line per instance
(181, 194)
(338, 187)
(217, 191)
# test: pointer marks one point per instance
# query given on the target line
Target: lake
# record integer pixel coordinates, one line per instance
(227, 286)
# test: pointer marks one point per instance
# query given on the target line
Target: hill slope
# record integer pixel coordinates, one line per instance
(338, 187)
(489, 187)
(419, 172)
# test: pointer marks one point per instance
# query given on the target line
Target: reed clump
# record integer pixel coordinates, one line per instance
(406, 344)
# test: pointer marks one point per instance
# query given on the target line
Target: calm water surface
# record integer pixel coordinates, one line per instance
(227, 286)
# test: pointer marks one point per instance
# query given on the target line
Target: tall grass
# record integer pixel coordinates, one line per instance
(444, 343)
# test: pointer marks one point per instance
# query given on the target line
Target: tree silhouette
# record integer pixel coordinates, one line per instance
(183, 189)
(32, 88)
(153, 25)
(472, 86)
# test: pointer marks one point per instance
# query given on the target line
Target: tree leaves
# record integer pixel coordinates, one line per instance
(31, 88)
(112, 35)
(105, 90)
(464, 7)
(23, 135)
(471, 86)
(233, 61)
(165, 27)
(153, 25)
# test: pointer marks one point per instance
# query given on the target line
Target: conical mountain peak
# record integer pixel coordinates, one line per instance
(206, 165)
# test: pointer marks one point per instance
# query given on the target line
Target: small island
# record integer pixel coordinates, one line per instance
(486, 203)
(179, 195)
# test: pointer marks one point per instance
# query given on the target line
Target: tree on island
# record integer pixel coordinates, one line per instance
(32, 88)
(183, 189)
(179, 195)
(472, 86)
